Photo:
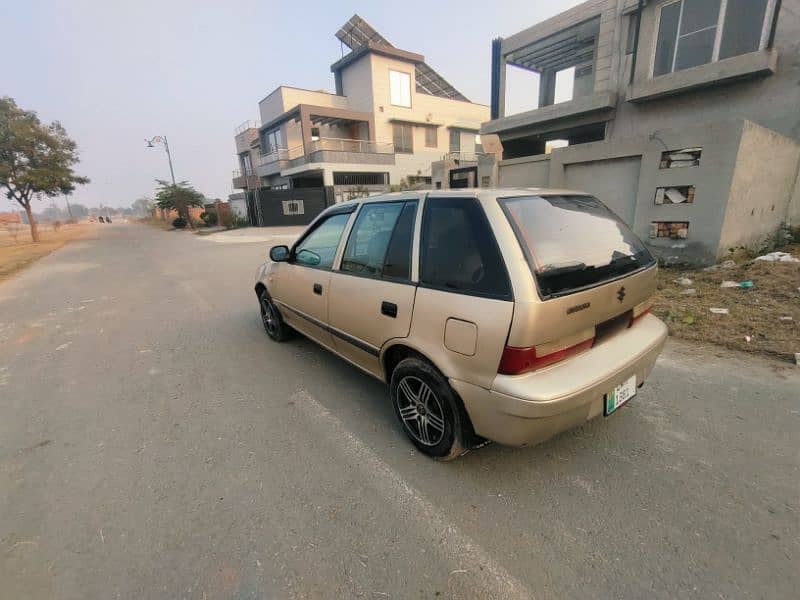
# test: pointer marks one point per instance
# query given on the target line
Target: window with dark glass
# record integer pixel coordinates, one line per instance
(380, 241)
(272, 142)
(573, 242)
(697, 32)
(458, 250)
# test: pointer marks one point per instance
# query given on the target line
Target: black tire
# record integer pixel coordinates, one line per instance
(439, 406)
(272, 320)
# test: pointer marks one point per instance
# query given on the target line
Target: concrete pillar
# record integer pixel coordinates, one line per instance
(547, 88)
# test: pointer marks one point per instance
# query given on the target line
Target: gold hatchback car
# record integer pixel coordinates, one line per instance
(507, 315)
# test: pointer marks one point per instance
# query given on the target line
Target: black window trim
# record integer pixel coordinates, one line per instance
(324, 216)
(532, 264)
(426, 215)
(400, 280)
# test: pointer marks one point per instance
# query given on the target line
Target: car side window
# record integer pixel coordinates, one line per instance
(318, 248)
(458, 250)
(380, 242)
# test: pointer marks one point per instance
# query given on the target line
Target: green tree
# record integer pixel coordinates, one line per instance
(35, 159)
(179, 196)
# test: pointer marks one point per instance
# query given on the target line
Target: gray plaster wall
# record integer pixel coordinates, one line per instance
(761, 189)
(614, 181)
(736, 167)
(794, 204)
(531, 171)
(772, 101)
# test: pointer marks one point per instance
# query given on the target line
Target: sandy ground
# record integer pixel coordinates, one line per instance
(17, 251)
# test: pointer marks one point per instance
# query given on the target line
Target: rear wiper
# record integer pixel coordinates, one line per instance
(552, 269)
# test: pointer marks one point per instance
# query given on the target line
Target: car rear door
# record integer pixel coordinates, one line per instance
(302, 287)
(464, 305)
(371, 293)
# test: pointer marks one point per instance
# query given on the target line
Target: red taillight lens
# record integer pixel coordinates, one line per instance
(521, 360)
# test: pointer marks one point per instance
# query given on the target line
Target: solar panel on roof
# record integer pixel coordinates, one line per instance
(357, 32)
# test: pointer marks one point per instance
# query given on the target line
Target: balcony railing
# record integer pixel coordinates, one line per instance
(250, 124)
(343, 145)
(463, 156)
(280, 154)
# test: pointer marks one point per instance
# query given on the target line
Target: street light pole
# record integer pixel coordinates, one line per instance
(162, 139)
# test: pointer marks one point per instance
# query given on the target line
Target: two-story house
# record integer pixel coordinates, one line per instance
(390, 117)
(682, 115)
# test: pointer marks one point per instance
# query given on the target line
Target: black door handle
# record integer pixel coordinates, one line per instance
(318, 289)
(389, 309)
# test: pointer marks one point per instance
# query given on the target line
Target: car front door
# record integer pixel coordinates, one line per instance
(303, 284)
(371, 293)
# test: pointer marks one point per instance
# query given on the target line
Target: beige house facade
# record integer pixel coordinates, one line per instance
(389, 117)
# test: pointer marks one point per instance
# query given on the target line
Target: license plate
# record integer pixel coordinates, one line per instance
(620, 395)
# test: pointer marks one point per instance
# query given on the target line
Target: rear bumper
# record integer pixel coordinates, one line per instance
(524, 410)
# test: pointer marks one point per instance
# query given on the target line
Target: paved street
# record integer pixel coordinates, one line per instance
(155, 444)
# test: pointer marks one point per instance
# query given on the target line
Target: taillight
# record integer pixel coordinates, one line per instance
(521, 360)
(641, 310)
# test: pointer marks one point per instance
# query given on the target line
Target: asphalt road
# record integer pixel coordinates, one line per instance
(154, 443)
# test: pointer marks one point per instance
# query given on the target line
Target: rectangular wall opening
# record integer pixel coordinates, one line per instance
(522, 90)
(676, 230)
(675, 159)
(677, 194)
(565, 85)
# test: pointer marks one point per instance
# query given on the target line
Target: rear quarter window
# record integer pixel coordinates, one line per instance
(458, 250)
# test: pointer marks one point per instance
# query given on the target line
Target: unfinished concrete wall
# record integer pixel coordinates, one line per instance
(531, 171)
(793, 213)
(614, 181)
(771, 101)
(761, 189)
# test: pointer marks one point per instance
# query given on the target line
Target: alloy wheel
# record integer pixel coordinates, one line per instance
(420, 410)
(268, 316)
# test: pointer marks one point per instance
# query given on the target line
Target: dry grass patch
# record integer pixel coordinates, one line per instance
(764, 319)
(17, 251)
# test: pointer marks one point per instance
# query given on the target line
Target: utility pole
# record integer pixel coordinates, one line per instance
(162, 139)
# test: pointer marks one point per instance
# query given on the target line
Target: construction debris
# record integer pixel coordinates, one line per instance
(778, 257)
(728, 264)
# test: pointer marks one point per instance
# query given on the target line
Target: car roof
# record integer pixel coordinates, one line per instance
(481, 193)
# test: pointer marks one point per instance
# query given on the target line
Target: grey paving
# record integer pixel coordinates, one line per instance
(155, 444)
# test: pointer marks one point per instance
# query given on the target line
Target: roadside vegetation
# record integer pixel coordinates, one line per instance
(758, 303)
(36, 160)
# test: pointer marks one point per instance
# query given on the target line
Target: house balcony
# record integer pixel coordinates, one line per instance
(274, 162)
(335, 150)
(245, 181)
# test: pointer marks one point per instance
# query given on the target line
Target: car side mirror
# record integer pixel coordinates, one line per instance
(279, 253)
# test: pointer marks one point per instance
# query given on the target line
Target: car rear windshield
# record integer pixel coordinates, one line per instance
(573, 242)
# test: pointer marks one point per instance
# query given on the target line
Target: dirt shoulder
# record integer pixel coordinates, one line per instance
(762, 319)
(18, 251)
